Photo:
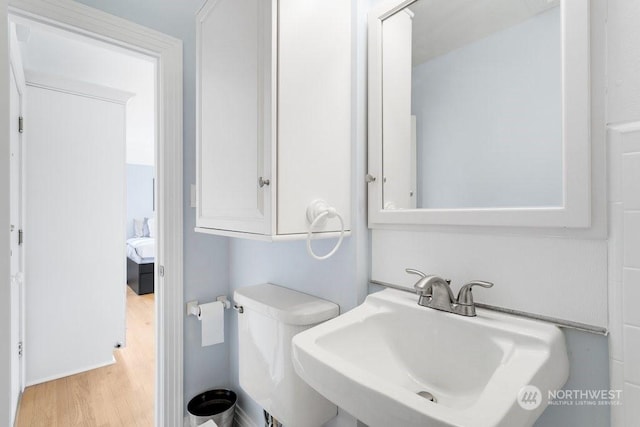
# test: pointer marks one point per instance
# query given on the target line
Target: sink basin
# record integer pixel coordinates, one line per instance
(385, 361)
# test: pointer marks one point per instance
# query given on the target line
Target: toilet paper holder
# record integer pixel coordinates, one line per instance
(193, 307)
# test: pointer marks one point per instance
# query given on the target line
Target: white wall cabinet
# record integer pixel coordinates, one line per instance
(273, 115)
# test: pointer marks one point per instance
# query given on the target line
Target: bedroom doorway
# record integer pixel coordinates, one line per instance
(76, 83)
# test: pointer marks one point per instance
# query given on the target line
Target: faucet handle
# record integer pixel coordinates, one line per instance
(422, 286)
(416, 272)
(421, 274)
(465, 297)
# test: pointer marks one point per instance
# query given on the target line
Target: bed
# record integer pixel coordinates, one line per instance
(140, 264)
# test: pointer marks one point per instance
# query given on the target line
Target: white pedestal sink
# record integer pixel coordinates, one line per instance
(374, 360)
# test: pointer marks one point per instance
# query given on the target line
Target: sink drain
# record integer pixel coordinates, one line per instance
(430, 397)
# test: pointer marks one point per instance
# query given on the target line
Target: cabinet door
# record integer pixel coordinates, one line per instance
(314, 110)
(234, 122)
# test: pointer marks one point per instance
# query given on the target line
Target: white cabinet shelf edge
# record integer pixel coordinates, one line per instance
(270, 238)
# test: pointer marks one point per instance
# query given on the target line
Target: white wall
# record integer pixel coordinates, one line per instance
(624, 274)
(623, 40)
(489, 120)
(624, 148)
(624, 107)
(531, 273)
(5, 299)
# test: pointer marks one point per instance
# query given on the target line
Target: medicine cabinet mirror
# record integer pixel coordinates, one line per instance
(479, 113)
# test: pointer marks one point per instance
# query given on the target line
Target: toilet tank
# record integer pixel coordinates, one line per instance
(271, 316)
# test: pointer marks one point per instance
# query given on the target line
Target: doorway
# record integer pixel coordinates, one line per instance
(168, 193)
(91, 113)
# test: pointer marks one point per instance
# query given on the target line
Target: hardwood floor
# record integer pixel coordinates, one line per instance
(119, 395)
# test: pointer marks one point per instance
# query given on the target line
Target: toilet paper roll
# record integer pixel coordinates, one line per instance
(212, 321)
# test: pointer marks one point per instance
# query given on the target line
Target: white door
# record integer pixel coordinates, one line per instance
(16, 264)
(74, 230)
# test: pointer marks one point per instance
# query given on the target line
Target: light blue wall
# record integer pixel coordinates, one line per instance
(287, 264)
(206, 266)
(139, 194)
(489, 120)
(588, 370)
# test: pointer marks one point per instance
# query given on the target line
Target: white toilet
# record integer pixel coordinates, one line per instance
(269, 318)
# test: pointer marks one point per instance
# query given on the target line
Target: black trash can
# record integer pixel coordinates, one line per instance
(217, 405)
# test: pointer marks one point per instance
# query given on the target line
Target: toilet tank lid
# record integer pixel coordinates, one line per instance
(286, 305)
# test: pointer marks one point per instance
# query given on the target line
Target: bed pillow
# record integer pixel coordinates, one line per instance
(139, 226)
(151, 225)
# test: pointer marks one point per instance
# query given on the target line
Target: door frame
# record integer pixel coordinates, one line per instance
(167, 51)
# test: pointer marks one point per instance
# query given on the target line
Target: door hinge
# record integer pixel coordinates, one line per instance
(161, 270)
(20, 349)
(20, 124)
(20, 237)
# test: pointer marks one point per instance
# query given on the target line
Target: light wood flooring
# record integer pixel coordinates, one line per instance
(119, 395)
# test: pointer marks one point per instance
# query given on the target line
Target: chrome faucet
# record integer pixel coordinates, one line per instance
(435, 292)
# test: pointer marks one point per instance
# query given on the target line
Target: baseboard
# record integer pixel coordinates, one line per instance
(74, 372)
(242, 419)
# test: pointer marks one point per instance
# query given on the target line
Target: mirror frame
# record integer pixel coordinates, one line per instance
(576, 107)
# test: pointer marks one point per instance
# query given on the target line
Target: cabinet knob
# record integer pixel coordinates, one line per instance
(262, 182)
